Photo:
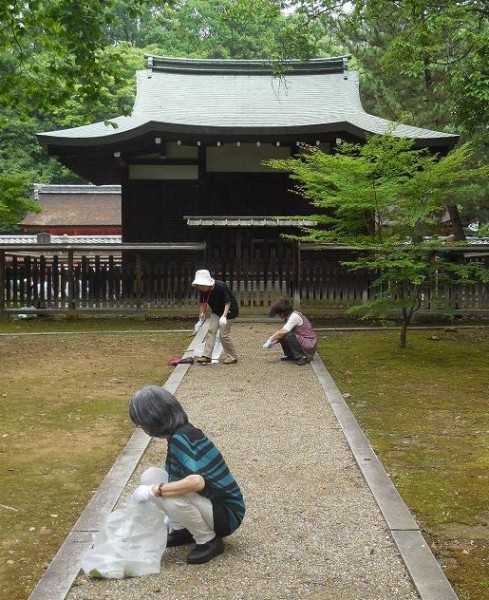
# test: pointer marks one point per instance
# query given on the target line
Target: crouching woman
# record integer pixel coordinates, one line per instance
(297, 337)
(201, 499)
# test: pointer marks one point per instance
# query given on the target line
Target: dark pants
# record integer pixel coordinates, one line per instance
(291, 347)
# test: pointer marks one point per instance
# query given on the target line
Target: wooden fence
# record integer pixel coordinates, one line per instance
(42, 282)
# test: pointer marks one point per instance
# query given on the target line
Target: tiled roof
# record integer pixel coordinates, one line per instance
(23, 240)
(82, 205)
(243, 97)
(61, 188)
(248, 222)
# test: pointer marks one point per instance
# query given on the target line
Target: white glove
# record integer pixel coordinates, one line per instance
(222, 321)
(143, 493)
(267, 345)
(199, 324)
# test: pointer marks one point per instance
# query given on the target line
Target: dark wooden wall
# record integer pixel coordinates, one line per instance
(251, 194)
(153, 211)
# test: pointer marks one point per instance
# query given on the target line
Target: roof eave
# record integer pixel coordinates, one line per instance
(204, 132)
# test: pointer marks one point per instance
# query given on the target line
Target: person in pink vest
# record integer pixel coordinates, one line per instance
(297, 337)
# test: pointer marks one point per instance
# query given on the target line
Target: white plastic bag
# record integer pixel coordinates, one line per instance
(216, 352)
(132, 540)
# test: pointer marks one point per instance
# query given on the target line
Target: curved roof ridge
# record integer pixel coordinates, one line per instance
(257, 66)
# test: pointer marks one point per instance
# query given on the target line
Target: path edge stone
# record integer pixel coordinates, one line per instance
(426, 573)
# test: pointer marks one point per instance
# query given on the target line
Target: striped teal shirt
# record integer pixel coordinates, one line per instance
(190, 451)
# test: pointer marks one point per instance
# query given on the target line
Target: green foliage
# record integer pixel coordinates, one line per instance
(234, 29)
(24, 162)
(116, 91)
(14, 199)
(52, 50)
(421, 58)
(484, 230)
(381, 199)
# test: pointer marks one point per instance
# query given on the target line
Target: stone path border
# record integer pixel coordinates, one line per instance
(426, 573)
(65, 566)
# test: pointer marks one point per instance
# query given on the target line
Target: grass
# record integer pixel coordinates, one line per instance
(100, 324)
(425, 410)
(63, 407)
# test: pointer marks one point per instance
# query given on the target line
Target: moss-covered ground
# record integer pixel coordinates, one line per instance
(425, 410)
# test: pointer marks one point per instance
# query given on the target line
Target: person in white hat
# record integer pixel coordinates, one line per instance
(218, 297)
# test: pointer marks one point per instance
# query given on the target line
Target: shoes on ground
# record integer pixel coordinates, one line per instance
(303, 360)
(284, 358)
(203, 553)
(229, 361)
(203, 360)
(179, 537)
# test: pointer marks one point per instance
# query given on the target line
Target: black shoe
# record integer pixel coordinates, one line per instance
(179, 537)
(303, 360)
(203, 553)
(284, 358)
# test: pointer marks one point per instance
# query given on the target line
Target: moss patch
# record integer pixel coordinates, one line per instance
(425, 410)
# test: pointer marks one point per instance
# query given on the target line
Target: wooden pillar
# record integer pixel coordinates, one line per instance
(237, 264)
(138, 282)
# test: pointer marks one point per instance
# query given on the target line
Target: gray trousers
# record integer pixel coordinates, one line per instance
(291, 346)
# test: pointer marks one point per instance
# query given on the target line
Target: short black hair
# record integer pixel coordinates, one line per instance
(157, 411)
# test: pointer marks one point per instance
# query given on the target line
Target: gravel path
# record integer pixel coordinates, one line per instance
(312, 528)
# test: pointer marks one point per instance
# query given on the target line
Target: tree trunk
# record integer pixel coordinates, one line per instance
(458, 230)
(404, 326)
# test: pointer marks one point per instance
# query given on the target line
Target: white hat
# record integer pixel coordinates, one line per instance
(203, 277)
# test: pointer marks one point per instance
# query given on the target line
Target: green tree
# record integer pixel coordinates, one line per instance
(239, 29)
(115, 95)
(424, 60)
(51, 50)
(15, 200)
(381, 199)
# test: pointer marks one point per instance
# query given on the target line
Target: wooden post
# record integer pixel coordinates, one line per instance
(138, 282)
(297, 277)
(71, 290)
(237, 264)
(3, 280)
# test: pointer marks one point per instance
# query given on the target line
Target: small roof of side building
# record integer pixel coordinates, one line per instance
(246, 100)
(75, 205)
